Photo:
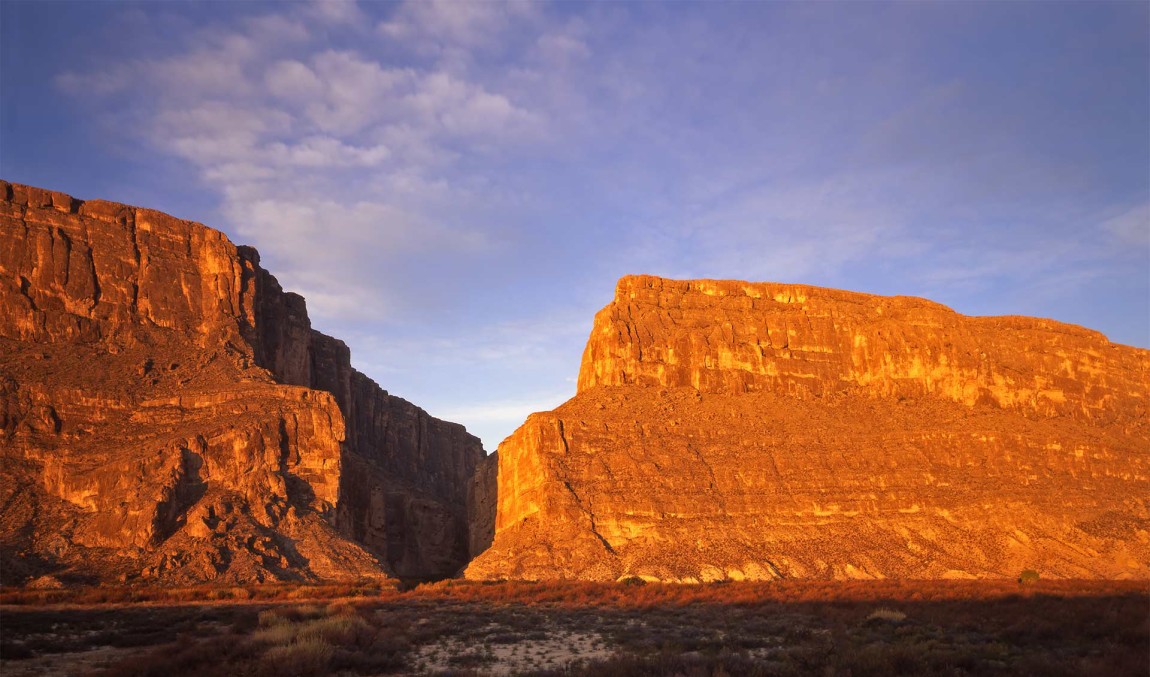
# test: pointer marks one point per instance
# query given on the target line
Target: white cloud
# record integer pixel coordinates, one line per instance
(357, 92)
(328, 156)
(780, 231)
(275, 29)
(325, 151)
(438, 24)
(411, 165)
(336, 232)
(486, 376)
(561, 47)
(465, 110)
(293, 81)
(511, 411)
(1132, 227)
(336, 12)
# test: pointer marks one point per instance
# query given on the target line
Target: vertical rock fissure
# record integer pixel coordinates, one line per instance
(586, 510)
(711, 472)
(565, 478)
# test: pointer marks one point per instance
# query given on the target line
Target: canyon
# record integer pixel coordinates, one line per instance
(168, 413)
(728, 430)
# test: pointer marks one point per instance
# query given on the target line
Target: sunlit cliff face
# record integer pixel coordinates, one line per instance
(167, 412)
(730, 337)
(730, 430)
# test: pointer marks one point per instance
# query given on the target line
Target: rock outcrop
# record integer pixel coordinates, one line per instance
(733, 430)
(167, 411)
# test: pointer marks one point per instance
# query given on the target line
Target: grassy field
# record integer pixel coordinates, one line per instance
(630, 628)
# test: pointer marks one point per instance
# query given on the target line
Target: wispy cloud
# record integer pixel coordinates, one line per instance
(452, 29)
(454, 186)
(326, 157)
(1131, 228)
(336, 12)
(504, 414)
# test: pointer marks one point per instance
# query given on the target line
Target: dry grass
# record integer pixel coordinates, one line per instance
(624, 595)
(142, 594)
(885, 614)
(789, 628)
(303, 656)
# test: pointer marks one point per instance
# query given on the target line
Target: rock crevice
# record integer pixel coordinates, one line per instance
(169, 412)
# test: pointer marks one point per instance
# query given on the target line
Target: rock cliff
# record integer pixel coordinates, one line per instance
(733, 430)
(167, 411)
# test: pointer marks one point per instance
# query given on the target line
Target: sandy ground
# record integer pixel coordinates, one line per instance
(556, 650)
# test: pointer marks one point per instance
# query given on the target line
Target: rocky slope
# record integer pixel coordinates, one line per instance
(167, 411)
(732, 430)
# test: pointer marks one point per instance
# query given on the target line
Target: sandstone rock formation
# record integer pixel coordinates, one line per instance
(733, 430)
(167, 411)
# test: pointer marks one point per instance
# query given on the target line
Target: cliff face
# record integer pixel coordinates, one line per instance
(405, 484)
(806, 342)
(166, 410)
(730, 430)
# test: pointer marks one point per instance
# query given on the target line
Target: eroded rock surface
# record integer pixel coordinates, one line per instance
(167, 411)
(732, 430)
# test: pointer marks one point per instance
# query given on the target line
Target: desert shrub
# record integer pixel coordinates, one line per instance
(337, 630)
(340, 609)
(342, 630)
(301, 658)
(302, 612)
(885, 614)
(279, 634)
(1028, 577)
(271, 618)
(633, 581)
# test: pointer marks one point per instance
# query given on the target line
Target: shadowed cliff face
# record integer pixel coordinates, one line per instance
(166, 410)
(404, 487)
(730, 430)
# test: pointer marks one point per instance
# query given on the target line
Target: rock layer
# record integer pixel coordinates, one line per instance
(167, 411)
(732, 430)
(802, 341)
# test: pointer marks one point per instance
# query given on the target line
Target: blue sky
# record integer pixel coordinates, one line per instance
(456, 187)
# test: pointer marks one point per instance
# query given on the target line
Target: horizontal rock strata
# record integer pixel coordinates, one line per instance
(167, 411)
(732, 430)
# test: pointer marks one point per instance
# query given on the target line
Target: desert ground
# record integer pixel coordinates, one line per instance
(568, 628)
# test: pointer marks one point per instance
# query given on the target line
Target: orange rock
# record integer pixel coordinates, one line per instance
(733, 430)
(801, 341)
(166, 410)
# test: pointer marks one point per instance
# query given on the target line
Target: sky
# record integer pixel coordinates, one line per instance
(456, 187)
